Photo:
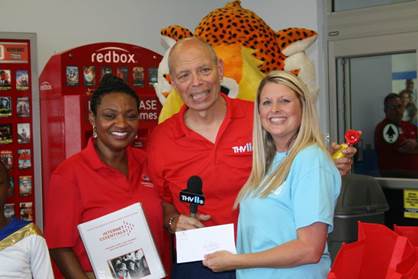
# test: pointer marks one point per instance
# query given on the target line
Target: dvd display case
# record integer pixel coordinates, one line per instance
(66, 84)
(19, 125)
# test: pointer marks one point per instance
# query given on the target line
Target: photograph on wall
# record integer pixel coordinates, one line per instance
(72, 75)
(9, 210)
(26, 211)
(5, 79)
(122, 73)
(5, 106)
(132, 265)
(6, 133)
(138, 76)
(89, 75)
(11, 190)
(22, 107)
(23, 133)
(24, 159)
(22, 80)
(25, 185)
(6, 157)
(152, 76)
(106, 70)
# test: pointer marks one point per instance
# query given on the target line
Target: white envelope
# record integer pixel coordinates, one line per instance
(193, 245)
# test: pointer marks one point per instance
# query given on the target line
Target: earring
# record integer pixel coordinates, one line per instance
(136, 136)
(94, 132)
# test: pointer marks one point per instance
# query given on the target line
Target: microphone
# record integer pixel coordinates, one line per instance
(193, 194)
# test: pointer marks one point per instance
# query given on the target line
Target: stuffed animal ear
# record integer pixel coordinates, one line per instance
(176, 32)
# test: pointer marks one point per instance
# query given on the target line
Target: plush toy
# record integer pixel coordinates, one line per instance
(249, 49)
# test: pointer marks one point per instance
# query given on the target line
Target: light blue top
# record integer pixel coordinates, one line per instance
(308, 195)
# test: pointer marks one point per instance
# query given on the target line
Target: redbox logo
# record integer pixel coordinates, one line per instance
(112, 55)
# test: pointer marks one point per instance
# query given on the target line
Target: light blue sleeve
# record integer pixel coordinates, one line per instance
(316, 185)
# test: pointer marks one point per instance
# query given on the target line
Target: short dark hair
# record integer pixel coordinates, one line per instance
(388, 98)
(110, 84)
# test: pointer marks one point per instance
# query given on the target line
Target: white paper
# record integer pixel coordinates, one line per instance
(116, 240)
(193, 245)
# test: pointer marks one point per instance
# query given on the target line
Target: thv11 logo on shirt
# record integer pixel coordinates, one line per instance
(248, 147)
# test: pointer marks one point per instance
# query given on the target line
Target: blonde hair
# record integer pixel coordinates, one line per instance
(261, 182)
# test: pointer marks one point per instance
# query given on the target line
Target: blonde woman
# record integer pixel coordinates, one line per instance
(287, 204)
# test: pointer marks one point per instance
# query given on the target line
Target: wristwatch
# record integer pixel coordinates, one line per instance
(172, 223)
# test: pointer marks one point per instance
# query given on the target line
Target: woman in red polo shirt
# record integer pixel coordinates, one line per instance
(107, 175)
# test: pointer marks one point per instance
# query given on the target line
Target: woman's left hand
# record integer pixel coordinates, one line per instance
(220, 261)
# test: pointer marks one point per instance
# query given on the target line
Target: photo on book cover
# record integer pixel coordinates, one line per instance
(5, 79)
(9, 210)
(26, 211)
(6, 133)
(25, 185)
(22, 107)
(23, 132)
(132, 265)
(5, 106)
(24, 159)
(72, 75)
(106, 70)
(89, 75)
(22, 80)
(152, 76)
(6, 156)
(122, 73)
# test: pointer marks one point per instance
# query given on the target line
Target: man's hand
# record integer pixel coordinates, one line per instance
(344, 164)
(186, 223)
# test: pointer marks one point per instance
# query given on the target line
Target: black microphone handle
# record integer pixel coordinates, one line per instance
(193, 209)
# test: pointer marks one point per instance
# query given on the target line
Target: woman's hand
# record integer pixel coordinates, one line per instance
(220, 261)
(344, 164)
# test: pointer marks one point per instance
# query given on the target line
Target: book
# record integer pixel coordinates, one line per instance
(5, 106)
(72, 75)
(22, 107)
(11, 190)
(122, 73)
(120, 245)
(89, 75)
(138, 76)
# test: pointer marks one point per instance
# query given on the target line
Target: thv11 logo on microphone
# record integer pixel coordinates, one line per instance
(192, 198)
(248, 147)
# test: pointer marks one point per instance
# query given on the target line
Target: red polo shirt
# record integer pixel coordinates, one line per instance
(175, 153)
(389, 158)
(83, 188)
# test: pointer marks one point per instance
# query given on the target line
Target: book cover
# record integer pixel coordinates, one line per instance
(120, 245)
(106, 70)
(152, 76)
(11, 190)
(6, 156)
(23, 133)
(22, 80)
(26, 211)
(25, 185)
(24, 159)
(22, 107)
(5, 106)
(72, 75)
(9, 210)
(6, 133)
(5, 79)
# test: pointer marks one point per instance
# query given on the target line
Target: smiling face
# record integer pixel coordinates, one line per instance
(196, 74)
(116, 122)
(280, 113)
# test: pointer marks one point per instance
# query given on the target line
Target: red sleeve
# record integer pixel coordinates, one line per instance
(155, 155)
(62, 210)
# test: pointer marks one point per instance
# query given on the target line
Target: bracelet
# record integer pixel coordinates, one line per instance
(172, 223)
